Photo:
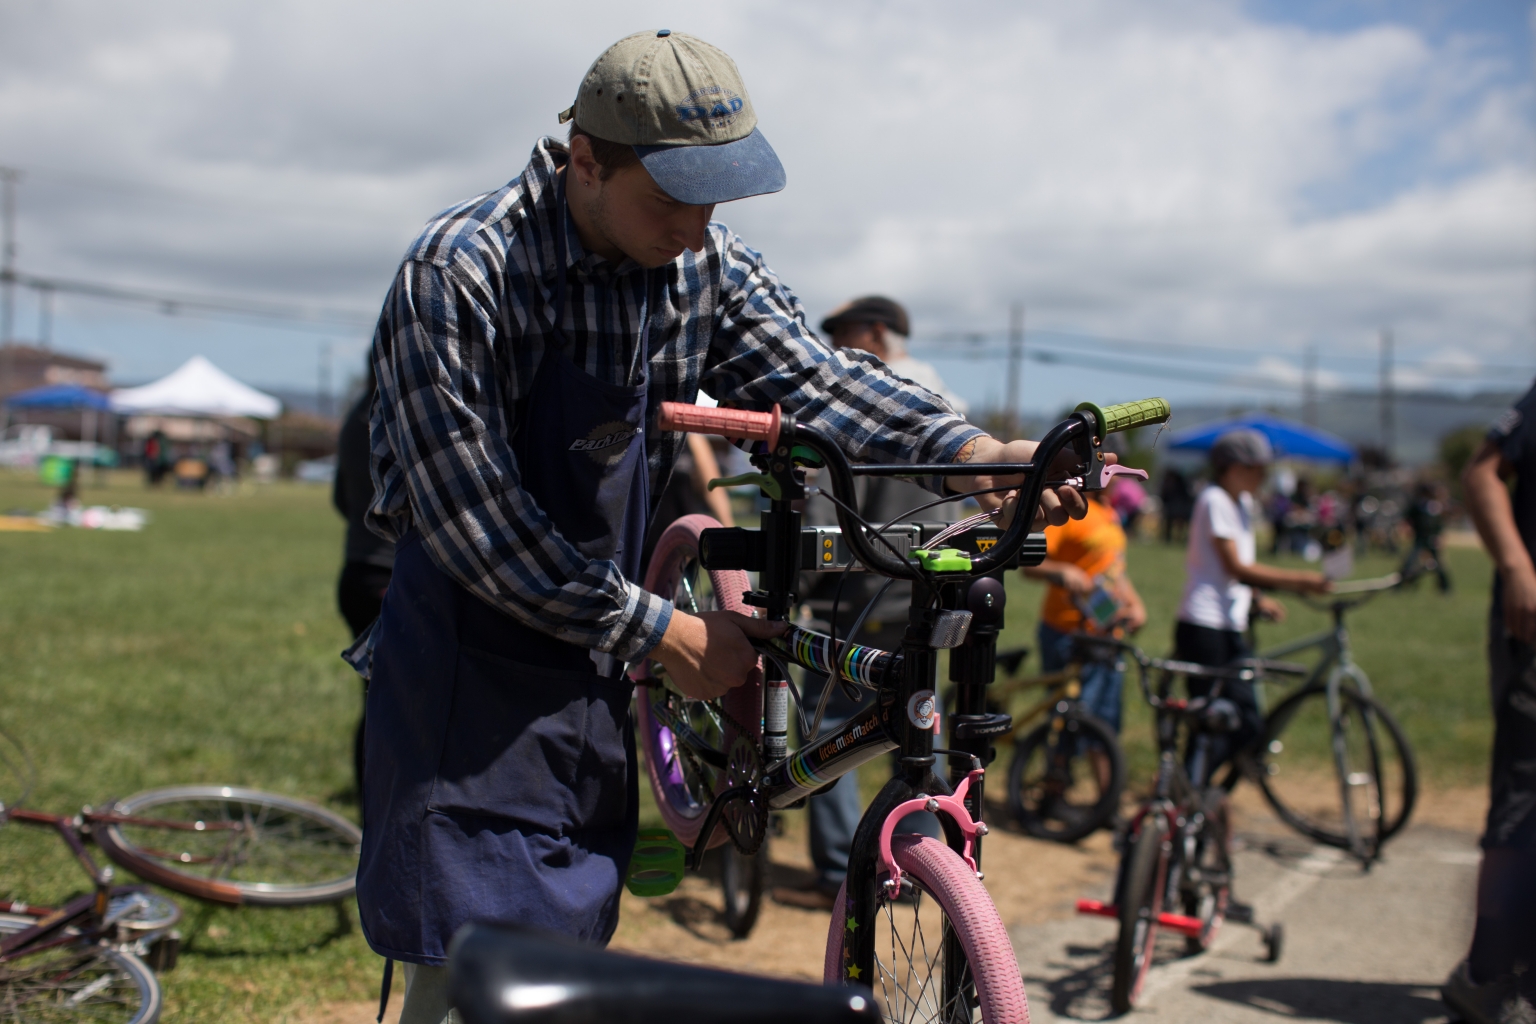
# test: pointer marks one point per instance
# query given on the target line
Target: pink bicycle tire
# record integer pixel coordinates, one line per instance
(683, 815)
(960, 894)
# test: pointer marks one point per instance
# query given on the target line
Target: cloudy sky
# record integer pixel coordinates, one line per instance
(1185, 196)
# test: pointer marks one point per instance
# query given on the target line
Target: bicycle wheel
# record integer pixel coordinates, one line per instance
(1139, 897)
(17, 772)
(1208, 889)
(742, 880)
(80, 982)
(683, 780)
(230, 845)
(1054, 787)
(1377, 781)
(941, 952)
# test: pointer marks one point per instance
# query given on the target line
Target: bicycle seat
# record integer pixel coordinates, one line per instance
(503, 974)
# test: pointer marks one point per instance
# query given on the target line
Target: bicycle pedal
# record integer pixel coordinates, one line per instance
(163, 952)
(1240, 913)
(657, 866)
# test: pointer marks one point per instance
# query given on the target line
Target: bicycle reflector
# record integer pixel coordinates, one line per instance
(656, 867)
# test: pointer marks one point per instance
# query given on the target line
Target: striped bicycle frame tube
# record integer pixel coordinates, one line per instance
(862, 739)
(866, 666)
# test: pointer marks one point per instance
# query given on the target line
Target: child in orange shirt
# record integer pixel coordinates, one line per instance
(1085, 570)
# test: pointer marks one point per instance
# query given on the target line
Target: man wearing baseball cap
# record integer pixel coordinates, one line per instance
(522, 354)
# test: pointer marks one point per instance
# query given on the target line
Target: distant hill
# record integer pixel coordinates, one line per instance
(1421, 418)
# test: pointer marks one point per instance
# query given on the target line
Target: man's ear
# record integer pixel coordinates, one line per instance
(583, 162)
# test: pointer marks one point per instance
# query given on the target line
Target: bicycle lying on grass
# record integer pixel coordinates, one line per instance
(912, 919)
(221, 844)
(1068, 772)
(1333, 713)
(1175, 862)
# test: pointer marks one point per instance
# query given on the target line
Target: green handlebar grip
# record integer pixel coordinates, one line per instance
(1126, 415)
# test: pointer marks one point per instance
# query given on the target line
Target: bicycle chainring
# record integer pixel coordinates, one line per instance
(746, 820)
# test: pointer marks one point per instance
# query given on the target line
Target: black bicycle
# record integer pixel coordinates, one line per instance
(912, 920)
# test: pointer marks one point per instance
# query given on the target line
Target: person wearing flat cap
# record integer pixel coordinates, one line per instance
(522, 354)
(1221, 572)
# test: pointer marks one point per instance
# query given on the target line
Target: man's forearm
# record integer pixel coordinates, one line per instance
(1493, 513)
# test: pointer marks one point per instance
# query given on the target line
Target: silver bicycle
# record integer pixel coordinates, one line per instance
(1334, 716)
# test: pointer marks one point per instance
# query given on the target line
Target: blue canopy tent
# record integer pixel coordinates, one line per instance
(89, 403)
(1289, 439)
(59, 396)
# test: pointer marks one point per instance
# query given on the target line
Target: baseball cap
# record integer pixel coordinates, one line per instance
(1243, 447)
(681, 104)
(871, 309)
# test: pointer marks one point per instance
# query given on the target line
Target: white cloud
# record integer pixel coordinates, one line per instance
(1124, 171)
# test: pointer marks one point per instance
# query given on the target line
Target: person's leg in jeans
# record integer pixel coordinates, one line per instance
(831, 817)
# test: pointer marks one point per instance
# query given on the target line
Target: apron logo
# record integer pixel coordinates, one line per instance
(606, 443)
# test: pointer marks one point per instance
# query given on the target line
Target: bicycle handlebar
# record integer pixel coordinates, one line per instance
(742, 423)
(1084, 429)
(1245, 668)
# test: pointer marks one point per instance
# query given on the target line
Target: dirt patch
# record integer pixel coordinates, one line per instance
(1030, 880)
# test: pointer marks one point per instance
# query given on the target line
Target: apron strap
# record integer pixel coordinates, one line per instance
(389, 976)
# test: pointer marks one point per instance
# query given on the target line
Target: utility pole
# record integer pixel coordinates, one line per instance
(9, 176)
(1015, 368)
(1388, 427)
(324, 397)
(1309, 386)
(45, 315)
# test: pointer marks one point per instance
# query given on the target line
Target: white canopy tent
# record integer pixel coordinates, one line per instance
(197, 388)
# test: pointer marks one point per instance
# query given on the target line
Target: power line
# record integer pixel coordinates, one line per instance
(297, 317)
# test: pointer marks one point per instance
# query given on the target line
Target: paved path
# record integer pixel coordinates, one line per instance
(1359, 948)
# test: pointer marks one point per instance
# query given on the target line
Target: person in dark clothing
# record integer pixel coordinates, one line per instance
(369, 558)
(1497, 980)
(1177, 503)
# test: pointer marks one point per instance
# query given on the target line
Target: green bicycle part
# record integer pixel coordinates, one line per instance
(806, 456)
(658, 863)
(1126, 415)
(769, 485)
(943, 560)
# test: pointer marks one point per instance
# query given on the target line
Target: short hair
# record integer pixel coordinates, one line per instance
(611, 157)
(1241, 447)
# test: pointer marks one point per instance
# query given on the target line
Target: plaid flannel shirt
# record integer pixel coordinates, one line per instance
(462, 333)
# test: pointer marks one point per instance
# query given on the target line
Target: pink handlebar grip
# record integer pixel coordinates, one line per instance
(697, 419)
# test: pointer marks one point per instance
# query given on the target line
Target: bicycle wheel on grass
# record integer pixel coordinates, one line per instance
(742, 881)
(1139, 898)
(942, 954)
(1054, 785)
(234, 846)
(76, 982)
(1352, 787)
(683, 780)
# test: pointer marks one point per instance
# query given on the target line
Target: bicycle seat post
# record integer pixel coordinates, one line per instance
(781, 565)
(972, 668)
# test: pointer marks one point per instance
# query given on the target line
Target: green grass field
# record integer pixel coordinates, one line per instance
(204, 649)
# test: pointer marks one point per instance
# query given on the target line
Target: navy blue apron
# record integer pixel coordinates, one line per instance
(501, 776)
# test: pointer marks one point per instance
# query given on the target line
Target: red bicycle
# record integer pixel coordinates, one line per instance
(222, 844)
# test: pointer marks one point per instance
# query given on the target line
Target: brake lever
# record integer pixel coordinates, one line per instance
(1100, 477)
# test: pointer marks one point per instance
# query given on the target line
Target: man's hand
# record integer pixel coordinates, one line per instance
(1057, 505)
(1520, 605)
(709, 654)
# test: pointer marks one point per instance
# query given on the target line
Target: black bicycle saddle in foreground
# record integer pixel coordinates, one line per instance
(503, 974)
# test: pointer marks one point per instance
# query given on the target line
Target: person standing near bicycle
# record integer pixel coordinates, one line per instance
(1221, 572)
(1497, 980)
(522, 355)
(878, 326)
(1088, 590)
